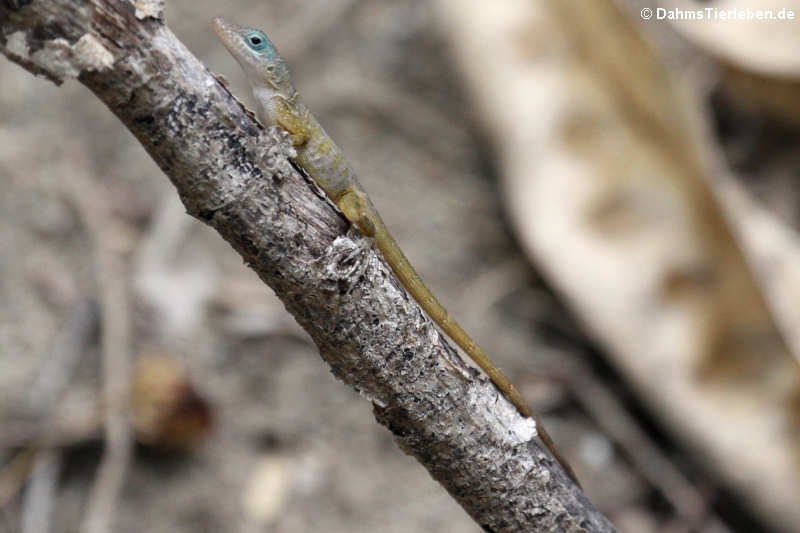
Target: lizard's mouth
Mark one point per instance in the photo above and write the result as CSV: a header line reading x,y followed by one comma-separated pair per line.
x,y
223,26
225,30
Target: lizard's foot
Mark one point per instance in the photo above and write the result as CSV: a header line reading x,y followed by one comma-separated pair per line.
x,y
298,139
355,209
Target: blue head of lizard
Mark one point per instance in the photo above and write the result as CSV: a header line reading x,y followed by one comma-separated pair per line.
x,y
256,54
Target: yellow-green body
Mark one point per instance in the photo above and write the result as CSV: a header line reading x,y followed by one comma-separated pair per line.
x,y
323,161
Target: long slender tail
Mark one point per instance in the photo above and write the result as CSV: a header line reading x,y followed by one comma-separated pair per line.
x,y
411,280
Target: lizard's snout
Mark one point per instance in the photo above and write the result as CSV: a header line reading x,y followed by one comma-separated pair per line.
x,y
222,26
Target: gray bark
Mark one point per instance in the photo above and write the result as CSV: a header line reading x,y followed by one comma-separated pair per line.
x,y
237,177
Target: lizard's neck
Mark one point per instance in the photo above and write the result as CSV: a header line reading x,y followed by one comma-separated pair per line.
x,y
272,102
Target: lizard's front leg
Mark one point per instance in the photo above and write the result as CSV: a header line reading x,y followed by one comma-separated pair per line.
x,y
287,118
297,132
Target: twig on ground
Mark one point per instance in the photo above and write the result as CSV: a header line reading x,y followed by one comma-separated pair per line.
x,y
111,276
49,385
38,501
688,502
14,475
68,346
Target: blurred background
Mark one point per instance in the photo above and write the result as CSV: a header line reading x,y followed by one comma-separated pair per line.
x,y
603,193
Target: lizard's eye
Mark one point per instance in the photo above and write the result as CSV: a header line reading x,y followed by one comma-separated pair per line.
x,y
257,41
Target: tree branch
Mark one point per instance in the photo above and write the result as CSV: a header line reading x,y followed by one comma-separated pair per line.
x,y
235,176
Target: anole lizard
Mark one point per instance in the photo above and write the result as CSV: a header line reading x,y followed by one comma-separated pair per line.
x,y
279,104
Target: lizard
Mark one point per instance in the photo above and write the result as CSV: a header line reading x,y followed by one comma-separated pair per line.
x,y
279,104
